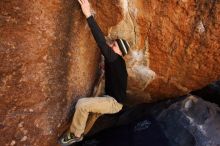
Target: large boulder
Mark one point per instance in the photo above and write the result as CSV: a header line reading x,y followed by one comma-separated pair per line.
x,y
186,121
191,122
48,58
44,67
174,46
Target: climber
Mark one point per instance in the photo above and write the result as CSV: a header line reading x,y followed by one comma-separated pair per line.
x,y
115,81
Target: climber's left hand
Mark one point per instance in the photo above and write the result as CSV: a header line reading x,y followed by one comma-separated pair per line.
x,y
85,7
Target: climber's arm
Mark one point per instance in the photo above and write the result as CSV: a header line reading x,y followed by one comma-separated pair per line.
x,y
108,53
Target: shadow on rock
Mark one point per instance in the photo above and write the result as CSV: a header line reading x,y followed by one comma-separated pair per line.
x,y
185,121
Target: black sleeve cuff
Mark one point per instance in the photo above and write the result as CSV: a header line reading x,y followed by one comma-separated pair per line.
x,y
89,19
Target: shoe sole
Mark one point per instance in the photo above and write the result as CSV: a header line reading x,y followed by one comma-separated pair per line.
x,y
70,143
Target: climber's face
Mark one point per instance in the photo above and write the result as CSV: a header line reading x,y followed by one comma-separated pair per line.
x,y
115,47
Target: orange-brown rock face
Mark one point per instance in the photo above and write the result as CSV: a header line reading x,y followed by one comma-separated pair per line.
x,y
48,58
175,46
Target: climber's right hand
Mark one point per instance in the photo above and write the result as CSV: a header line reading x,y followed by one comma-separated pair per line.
x,y
85,7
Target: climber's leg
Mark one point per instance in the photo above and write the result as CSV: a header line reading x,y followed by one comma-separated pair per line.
x,y
102,105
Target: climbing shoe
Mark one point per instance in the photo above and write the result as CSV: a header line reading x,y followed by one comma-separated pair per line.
x,y
69,139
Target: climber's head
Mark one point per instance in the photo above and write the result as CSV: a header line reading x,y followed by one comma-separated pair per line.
x,y
119,46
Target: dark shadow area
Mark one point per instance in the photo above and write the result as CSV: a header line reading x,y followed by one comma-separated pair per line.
x,y
209,93
138,133
133,126
173,122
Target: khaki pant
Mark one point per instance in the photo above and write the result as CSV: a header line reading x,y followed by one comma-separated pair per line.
x,y
98,105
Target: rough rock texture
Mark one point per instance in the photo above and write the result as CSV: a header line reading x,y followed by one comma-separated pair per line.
x,y
177,40
196,123
48,58
43,68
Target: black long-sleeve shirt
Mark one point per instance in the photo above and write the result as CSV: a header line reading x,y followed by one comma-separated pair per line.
x,y
115,67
